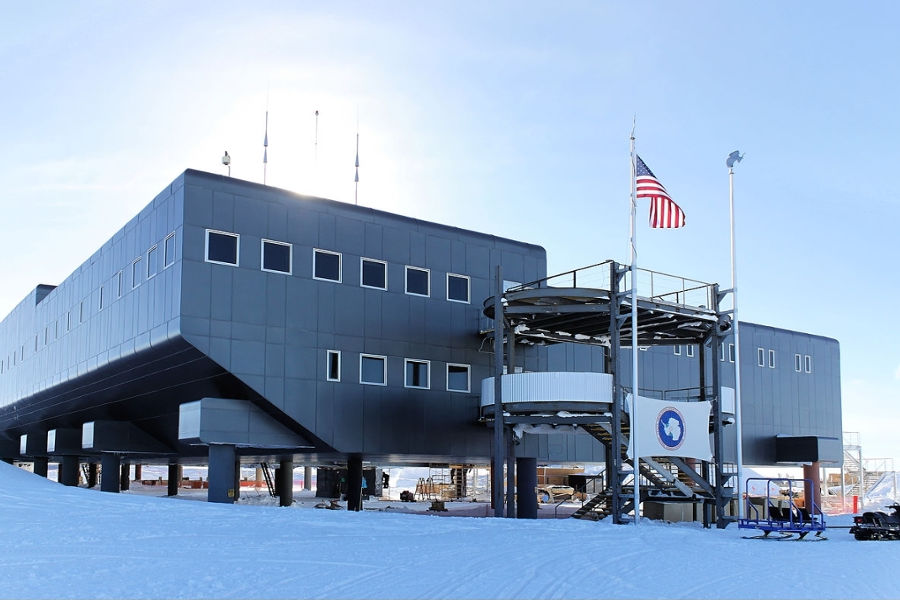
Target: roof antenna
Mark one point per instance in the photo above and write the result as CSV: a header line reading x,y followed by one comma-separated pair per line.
x,y
226,160
316,143
356,178
266,147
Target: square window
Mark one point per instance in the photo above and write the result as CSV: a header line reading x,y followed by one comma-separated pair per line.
x,y
730,352
458,378
808,361
373,273
276,256
677,349
797,364
771,359
152,261
136,273
761,357
457,288
418,281
169,250
690,350
417,374
333,365
327,265
372,369
222,247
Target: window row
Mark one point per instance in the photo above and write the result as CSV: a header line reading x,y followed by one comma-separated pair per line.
x,y
416,372
223,248
689,350
144,266
803,363
761,358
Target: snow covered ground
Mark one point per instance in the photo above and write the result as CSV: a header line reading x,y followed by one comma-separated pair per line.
x,y
59,542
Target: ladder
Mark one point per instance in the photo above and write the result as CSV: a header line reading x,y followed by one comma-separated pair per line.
x,y
267,475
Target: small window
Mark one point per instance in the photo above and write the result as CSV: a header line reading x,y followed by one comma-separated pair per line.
x,y
373,273
418,281
119,284
222,247
677,349
372,369
417,374
136,273
797,364
808,360
327,265
68,320
690,350
722,353
730,352
771,359
81,312
277,256
761,357
152,261
46,335
333,365
100,299
457,288
169,250
458,379
35,343
643,348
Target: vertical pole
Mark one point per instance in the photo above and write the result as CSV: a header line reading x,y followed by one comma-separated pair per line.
x,y
614,476
499,444
526,475
93,472
174,479
307,471
702,361
718,440
737,350
634,343
354,482
125,479
510,473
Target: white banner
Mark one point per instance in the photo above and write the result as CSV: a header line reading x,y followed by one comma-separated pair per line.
x,y
671,428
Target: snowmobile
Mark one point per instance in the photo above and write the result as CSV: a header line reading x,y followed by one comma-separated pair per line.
x,y
877,525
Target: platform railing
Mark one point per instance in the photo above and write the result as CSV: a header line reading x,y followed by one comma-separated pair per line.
x,y
655,285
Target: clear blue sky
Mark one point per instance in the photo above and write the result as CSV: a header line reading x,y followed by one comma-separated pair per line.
x,y
511,118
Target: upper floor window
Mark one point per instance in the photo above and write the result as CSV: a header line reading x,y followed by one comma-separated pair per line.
x,y
730,352
100,301
458,378
690,350
373,273
119,284
808,363
277,256
417,373
418,281
136,273
222,247
797,366
169,250
771,359
677,349
152,261
761,357
457,288
327,265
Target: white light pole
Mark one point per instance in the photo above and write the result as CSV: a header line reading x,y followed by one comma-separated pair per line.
x,y
733,158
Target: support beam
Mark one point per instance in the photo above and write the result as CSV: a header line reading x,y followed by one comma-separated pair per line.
x,y
526,474
237,479
510,474
307,478
125,478
68,470
614,459
221,473
40,465
93,475
137,472
174,479
354,482
286,482
110,464
812,487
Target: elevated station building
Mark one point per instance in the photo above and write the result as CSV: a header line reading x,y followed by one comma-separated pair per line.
x,y
231,321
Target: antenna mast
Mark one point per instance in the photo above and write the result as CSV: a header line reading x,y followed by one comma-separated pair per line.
x,y
266,147
356,178
316,143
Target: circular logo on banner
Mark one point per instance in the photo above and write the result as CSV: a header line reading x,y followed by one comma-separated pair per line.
x,y
670,428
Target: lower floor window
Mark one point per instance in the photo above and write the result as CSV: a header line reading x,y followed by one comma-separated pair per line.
x,y
458,378
372,369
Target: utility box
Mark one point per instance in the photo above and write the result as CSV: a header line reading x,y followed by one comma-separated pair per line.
x,y
669,511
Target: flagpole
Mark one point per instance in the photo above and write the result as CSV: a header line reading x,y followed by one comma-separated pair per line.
x,y
737,345
634,338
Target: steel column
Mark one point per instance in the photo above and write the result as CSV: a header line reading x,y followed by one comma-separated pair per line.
x,y
68,470
526,473
174,479
718,438
109,472
354,482
614,476
499,443
221,473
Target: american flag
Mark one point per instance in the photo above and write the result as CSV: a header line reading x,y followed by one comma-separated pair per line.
x,y
664,213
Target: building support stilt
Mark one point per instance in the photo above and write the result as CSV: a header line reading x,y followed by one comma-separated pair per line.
x,y
285,485
221,473
526,472
110,464
354,482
